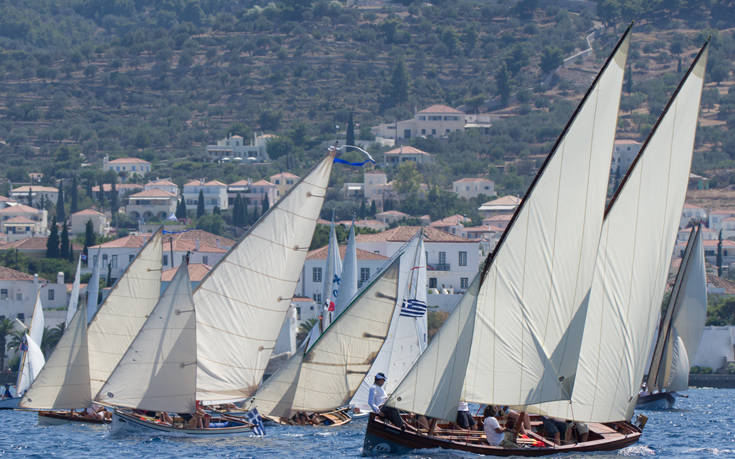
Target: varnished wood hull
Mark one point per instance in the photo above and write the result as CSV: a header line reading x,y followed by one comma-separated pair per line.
x,y
384,438
61,417
334,418
129,422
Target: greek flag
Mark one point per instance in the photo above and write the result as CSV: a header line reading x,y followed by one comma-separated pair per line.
x,y
413,308
253,417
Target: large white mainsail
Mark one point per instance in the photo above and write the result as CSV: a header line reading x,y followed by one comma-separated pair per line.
x,y
242,303
158,371
407,335
681,327
348,281
32,360
526,323
332,274
71,309
119,318
327,374
63,383
637,242
93,287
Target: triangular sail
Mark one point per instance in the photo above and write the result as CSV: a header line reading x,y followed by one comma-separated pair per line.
x,y
119,318
532,298
93,287
332,274
71,309
348,281
63,383
638,237
327,375
242,303
158,371
32,359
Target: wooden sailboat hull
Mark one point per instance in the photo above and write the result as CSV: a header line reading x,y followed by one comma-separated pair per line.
x,y
50,418
658,401
129,422
334,418
382,438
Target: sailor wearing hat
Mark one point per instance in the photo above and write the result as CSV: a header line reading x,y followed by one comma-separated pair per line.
x,y
377,398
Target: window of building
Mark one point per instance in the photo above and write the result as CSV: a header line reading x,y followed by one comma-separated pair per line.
x,y
165,260
104,259
316,275
205,259
298,313
432,282
318,297
433,132
113,261
19,296
51,294
442,258
3,294
464,282
462,258
364,275
131,258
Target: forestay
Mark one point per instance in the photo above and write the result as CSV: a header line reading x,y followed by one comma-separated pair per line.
x,y
330,372
637,241
242,302
532,298
119,318
158,371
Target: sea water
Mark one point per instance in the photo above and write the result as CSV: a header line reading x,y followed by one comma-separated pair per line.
x,y
702,425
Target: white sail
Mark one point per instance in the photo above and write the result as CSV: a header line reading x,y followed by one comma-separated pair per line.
x,y
407,335
532,299
691,317
158,371
71,309
330,372
348,281
678,379
630,277
242,303
120,317
32,359
63,382
332,275
93,287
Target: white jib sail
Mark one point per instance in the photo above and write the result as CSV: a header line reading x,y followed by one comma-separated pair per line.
x,y
242,303
637,241
158,371
63,383
407,335
332,275
327,375
532,300
93,287
348,282
71,309
119,318
32,359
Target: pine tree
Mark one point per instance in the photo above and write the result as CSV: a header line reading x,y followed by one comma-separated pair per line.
x,y
373,208
200,205
266,204
52,244
350,131
719,255
65,251
60,213
74,195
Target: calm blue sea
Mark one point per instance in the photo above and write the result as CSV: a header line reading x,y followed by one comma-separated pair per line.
x,y
703,425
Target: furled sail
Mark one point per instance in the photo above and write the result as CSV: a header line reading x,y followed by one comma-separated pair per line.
x,y
407,335
32,359
63,383
242,303
348,281
93,287
327,375
638,237
332,274
532,298
158,371
74,297
682,325
119,318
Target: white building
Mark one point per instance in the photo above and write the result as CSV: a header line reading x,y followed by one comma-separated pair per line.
x,y
37,192
152,203
624,152
716,348
126,166
692,213
471,187
454,224
165,185
391,216
405,154
715,218
21,222
6,202
214,191
284,181
234,148
503,205
433,121
78,221
18,296
122,189
260,190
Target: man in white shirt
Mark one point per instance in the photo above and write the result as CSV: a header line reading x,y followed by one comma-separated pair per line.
x,y
493,432
377,398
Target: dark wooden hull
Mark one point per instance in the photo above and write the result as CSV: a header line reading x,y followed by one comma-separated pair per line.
x,y
334,418
658,401
384,438
60,417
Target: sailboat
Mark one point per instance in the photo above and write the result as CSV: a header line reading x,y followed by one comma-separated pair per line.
x,y
316,383
679,331
407,336
87,354
32,359
628,281
332,275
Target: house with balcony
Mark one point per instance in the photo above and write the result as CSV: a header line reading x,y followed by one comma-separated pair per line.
x,y
405,154
434,121
37,193
152,203
78,222
454,224
126,166
234,148
472,187
5,202
20,222
214,192
262,190
716,218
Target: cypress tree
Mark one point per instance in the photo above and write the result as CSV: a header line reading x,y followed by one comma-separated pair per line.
x,y
101,195
90,238
181,209
114,207
719,255
266,204
74,195
399,84
52,244
215,210
363,210
60,213
109,275
30,196
65,251
200,204
237,211
350,131
628,81
373,208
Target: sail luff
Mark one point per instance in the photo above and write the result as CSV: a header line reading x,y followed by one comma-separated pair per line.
x,y
689,321
249,291
74,297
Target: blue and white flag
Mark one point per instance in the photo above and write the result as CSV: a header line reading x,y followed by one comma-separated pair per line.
x,y
253,417
413,308
356,164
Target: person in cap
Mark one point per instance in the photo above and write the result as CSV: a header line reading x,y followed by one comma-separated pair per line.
x,y
377,398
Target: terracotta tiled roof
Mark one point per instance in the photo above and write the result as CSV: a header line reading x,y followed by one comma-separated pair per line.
x,y
4,199
508,200
438,108
119,187
214,183
712,243
9,274
182,241
301,299
130,241
19,209
128,160
89,212
153,193
284,175
498,218
204,237
28,244
452,220
160,183
321,254
197,271
719,282
19,220
473,180
240,183
722,212
395,213
627,142
406,150
405,233
45,189
263,183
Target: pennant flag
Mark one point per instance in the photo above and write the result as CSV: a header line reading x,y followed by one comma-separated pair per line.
x,y
356,164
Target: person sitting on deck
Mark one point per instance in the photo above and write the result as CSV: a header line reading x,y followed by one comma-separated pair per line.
x,y
377,398
493,432
464,418
556,429
513,417
166,418
201,416
6,394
